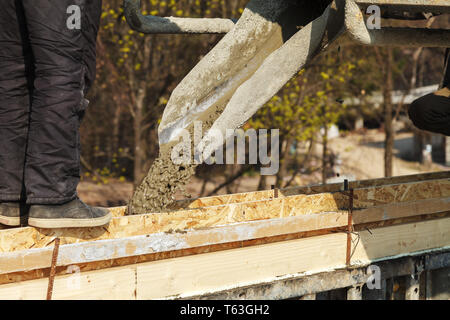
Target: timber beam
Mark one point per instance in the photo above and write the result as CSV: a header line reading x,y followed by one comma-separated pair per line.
x,y
199,274
245,233
310,285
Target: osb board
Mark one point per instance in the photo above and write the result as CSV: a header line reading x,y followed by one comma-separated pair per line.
x,y
28,260
209,272
308,190
364,196
121,227
244,231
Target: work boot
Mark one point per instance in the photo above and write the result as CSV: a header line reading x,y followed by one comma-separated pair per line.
x,y
73,214
10,214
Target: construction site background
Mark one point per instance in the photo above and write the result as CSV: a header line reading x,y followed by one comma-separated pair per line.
x,y
137,73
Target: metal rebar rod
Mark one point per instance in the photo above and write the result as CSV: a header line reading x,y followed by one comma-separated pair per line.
x,y
172,25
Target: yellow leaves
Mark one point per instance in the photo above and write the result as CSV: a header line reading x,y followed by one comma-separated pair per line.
x,y
163,101
324,76
137,67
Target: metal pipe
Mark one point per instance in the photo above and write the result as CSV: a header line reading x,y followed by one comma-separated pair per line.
x,y
410,37
435,6
172,25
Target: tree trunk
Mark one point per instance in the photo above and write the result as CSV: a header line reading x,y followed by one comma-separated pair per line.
x,y
388,129
284,162
262,185
139,149
325,155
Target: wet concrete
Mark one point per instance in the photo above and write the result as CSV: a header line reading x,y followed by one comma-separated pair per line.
x,y
157,191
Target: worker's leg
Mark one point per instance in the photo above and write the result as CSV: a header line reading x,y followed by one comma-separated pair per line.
x,y
63,47
431,113
15,82
62,35
14,99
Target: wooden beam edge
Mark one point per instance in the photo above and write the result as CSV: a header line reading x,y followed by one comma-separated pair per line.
x,y
246,266
110,249
305,190
127,226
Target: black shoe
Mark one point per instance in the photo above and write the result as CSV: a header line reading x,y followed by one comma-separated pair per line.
x,y
10,214
73,214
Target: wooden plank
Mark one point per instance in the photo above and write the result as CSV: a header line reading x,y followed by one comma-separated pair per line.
x,y
121,227
375,244
307,190
110,284
288,192
110,249
222,270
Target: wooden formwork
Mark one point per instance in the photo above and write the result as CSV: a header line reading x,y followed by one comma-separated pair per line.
x,y
217,244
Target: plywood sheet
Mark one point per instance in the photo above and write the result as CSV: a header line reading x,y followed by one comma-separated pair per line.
x,y
126,226
307,190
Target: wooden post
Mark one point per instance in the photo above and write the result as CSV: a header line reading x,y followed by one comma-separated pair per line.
x,y
429,285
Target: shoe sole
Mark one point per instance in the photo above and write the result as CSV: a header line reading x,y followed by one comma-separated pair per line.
x,y
10,221
69,223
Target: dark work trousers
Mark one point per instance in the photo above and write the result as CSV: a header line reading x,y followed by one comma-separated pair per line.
x,y
432,112
47,64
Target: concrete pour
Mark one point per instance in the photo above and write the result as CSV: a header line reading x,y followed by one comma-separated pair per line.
x,y
247,67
